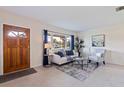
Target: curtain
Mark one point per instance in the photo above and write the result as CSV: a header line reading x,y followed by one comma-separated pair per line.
x,y
45,36
45,40
45,57
72,42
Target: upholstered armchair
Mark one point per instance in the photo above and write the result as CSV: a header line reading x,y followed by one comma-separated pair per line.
x,y
97,55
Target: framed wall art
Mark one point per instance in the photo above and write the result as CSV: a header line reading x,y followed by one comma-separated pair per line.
x,y
98,40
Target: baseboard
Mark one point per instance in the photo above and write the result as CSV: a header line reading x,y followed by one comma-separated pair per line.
x,y
117,65
36,66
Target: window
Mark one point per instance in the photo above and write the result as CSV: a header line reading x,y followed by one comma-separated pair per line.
x,y
49,38
17,34
59,41
68,42
22,34
13,34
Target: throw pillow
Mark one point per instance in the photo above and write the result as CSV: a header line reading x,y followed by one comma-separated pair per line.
x,y
60,54
69,52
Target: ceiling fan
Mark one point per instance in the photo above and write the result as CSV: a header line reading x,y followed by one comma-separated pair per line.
x,y
120,8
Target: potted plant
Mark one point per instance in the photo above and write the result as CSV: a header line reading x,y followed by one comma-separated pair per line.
x,y
79,45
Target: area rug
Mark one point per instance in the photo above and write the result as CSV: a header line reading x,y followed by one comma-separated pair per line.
x,y
15,75
76,70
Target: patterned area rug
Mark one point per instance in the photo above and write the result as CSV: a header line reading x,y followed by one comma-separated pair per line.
x,y
76,71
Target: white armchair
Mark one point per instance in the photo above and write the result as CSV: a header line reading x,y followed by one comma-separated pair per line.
x,y
97,55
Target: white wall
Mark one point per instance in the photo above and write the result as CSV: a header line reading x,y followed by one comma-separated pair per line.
x,y
1,48
114,42
36,35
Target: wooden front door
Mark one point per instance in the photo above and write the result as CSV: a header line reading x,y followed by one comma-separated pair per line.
x,y
16,48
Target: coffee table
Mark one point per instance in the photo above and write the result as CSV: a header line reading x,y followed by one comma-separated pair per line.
x,y
80,61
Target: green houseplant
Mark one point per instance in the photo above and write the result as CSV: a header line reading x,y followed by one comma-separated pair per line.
x,y
79,44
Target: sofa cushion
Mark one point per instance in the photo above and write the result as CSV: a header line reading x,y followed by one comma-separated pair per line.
x,y
60,54
69,52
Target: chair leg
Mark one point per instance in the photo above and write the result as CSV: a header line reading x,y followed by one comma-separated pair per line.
x,y
104,62
97,64
89,61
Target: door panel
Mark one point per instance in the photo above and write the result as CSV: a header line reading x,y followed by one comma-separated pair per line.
x,y
16,48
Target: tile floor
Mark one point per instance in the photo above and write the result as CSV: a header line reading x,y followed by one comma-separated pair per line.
x,y
104,76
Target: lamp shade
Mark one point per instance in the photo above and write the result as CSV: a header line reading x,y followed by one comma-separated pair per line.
x,y
48,45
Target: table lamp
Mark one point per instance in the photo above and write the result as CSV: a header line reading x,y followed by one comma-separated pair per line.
x,y
48,46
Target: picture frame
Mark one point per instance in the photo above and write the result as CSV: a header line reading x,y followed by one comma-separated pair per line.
x,y
98,40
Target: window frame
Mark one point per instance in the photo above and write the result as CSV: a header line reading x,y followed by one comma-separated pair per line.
x,y
61,35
